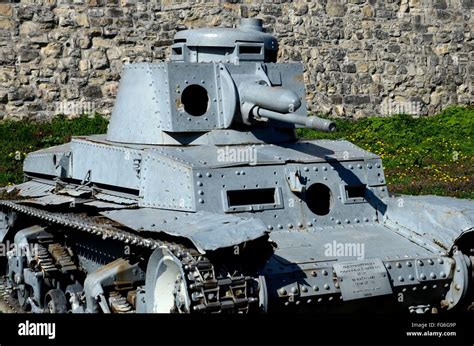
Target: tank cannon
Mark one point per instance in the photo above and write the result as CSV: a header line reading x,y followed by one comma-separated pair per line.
x,y
261,102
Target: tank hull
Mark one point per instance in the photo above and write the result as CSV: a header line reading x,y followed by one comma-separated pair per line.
x,y
244,236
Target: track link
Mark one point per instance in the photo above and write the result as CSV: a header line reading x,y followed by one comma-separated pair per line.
x,y
7,303
210,290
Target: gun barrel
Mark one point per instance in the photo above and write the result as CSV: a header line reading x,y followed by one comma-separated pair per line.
x,y
312,122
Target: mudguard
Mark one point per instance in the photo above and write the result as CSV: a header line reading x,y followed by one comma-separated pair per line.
x,y
207,231
434,222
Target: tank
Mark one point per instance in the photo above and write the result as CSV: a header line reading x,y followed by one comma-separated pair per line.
x,y
200,198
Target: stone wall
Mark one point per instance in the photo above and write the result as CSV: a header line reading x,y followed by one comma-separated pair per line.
x,y
362,57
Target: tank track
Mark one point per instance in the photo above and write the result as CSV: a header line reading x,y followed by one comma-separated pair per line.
x,y
7,303
210,290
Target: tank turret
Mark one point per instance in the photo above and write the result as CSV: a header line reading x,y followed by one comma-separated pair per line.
x,y
217,79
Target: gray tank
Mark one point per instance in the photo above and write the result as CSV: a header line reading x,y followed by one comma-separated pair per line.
x,y
201,198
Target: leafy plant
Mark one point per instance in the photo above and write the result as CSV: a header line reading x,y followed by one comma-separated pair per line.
x,y
17,138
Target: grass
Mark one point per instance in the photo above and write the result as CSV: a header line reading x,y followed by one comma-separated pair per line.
x,y
17,138
429,155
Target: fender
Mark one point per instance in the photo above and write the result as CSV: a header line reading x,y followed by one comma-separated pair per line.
x,y
207,231
433,222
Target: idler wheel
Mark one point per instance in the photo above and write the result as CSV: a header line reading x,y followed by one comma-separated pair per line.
x,y
166,289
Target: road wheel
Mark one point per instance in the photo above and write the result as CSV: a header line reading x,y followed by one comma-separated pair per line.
x,y
55,302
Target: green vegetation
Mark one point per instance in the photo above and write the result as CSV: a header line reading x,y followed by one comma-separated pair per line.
x,y
19,138
429,155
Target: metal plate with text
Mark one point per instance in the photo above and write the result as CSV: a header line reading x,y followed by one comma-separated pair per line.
x,y
362,279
